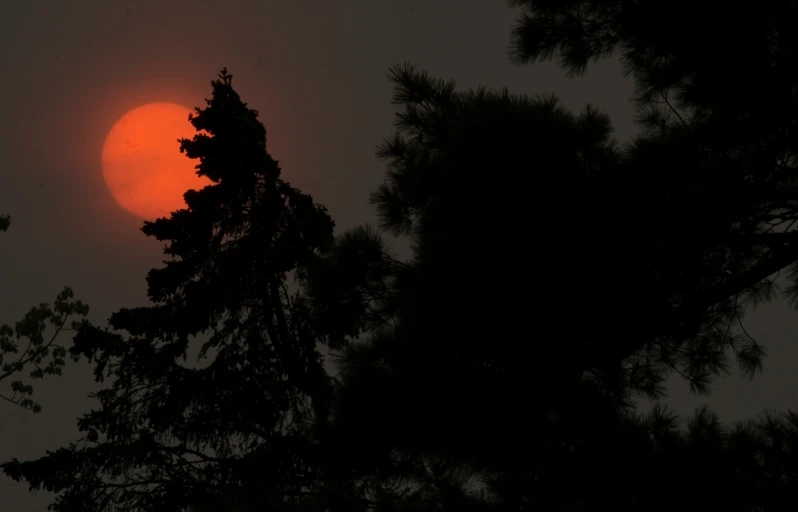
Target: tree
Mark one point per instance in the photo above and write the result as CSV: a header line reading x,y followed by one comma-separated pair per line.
x,y
40,327
705,190
459,376
730,93
250,428
465,362
484,183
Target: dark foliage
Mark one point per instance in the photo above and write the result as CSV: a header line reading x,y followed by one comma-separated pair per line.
x,y
656,249
554,275
519,223
31,343
168,436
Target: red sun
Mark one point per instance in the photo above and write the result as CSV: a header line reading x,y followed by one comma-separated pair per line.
x,y
142,163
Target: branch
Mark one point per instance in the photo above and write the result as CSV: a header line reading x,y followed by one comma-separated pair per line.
x,y
33,356
291,310
9,399
779,258
665,97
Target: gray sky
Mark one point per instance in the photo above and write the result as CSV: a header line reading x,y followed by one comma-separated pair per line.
x,y
316,72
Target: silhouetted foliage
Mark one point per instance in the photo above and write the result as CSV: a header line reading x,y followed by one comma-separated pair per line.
x,y
726,94
459,362
169,437
719,85
37,332
522,216
674,235
554,276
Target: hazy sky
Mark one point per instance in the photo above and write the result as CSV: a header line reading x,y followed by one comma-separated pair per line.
x,y
315,71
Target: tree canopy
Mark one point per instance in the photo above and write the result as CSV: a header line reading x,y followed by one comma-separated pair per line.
x,y
523,215
555,274
170,436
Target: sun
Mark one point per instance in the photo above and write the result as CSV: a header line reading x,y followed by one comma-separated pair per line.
x,y
142,163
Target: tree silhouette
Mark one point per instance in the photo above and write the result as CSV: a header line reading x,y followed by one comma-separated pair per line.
x,y
724,93
471,359
251,426
554,275
487,184
37,331
692,220
731,93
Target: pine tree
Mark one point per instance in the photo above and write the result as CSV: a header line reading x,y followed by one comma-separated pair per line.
x,y
524,217
250,426
725,88
490,187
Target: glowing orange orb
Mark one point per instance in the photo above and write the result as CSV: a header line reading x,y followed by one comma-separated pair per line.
x,y
142,163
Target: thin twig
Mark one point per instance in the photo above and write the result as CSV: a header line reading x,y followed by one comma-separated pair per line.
x,y
665,97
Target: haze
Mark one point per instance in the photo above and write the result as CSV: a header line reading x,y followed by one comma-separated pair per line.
x,y
316,73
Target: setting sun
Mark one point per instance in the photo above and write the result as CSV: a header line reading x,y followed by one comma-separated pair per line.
x,y
142,163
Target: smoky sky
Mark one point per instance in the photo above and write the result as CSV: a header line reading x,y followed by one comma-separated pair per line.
x,y
316,72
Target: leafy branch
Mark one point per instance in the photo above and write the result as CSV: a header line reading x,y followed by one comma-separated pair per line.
x,y
34,327
42,352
